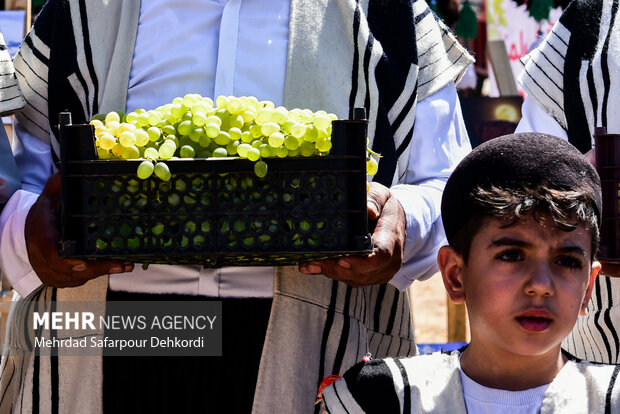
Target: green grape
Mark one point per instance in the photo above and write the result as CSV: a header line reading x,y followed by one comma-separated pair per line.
x,y
131,152
193,126
322,133
117,150
224,117
235,133
263,116
306,149
321,121
127,138
166,150
132,117
287,125
281,152
279,115
269,128
103,154
199,118
204,141
235,121
180,185
311,133
202,105
168,130
293,153
151,153
189,100
143,119
145,169
231,147
253,154
256,131
142,137
185,127
195,134
187,151
298,130
214,119
291,143
176,110
372,167
248,115
266,104
107,141
222,138
220,152
260,169
174,199
276,139
212,130
265,150
154,133
112,116
153,117
243,149
162,171
323,145
246,137
221,101
235,106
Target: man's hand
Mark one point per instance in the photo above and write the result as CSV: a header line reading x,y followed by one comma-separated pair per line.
x,y
42,238
386,213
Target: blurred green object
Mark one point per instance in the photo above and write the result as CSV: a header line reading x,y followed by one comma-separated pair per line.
x,y
467,25
539,9
35,4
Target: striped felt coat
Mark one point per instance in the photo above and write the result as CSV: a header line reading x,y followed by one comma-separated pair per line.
x,y
384,56
574,76
10,100
431,384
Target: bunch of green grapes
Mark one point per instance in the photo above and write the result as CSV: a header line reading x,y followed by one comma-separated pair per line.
x,y
194,126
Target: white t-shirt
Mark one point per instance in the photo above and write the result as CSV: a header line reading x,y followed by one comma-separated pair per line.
x,y
484,400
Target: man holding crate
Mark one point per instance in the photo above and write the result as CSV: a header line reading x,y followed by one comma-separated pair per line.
x,y
92,56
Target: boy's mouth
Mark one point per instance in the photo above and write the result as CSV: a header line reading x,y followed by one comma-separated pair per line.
x,y
535,320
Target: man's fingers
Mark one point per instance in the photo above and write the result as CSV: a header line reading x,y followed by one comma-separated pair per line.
x,y
376,197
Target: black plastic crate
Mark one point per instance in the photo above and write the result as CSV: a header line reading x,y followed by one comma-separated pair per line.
x,y
216,212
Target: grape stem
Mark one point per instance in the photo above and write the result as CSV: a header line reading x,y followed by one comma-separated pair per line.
x,y
374,153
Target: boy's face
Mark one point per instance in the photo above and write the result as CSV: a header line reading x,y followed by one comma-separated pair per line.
x,y
524,285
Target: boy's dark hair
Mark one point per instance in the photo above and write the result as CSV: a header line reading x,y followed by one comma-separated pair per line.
x,y
515,175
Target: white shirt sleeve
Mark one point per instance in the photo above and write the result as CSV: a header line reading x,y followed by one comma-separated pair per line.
x,y
34,161
439,143
535,119
9,176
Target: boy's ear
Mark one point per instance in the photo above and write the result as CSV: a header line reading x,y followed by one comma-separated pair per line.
x,y
451,265
596,267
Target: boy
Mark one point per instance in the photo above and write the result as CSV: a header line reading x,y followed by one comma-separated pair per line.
x,y
521,215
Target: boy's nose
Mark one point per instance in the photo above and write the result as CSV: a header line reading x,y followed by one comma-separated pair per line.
x,y
540,281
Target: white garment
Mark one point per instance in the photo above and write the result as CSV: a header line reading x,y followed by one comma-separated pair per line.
x,y
222,47
484,400
534,119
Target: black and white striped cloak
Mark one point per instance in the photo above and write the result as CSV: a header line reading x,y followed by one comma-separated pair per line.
x,y
574,76
384,56
431,384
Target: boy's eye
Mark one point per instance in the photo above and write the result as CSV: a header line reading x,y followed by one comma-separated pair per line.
x,y
510,255
569,261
